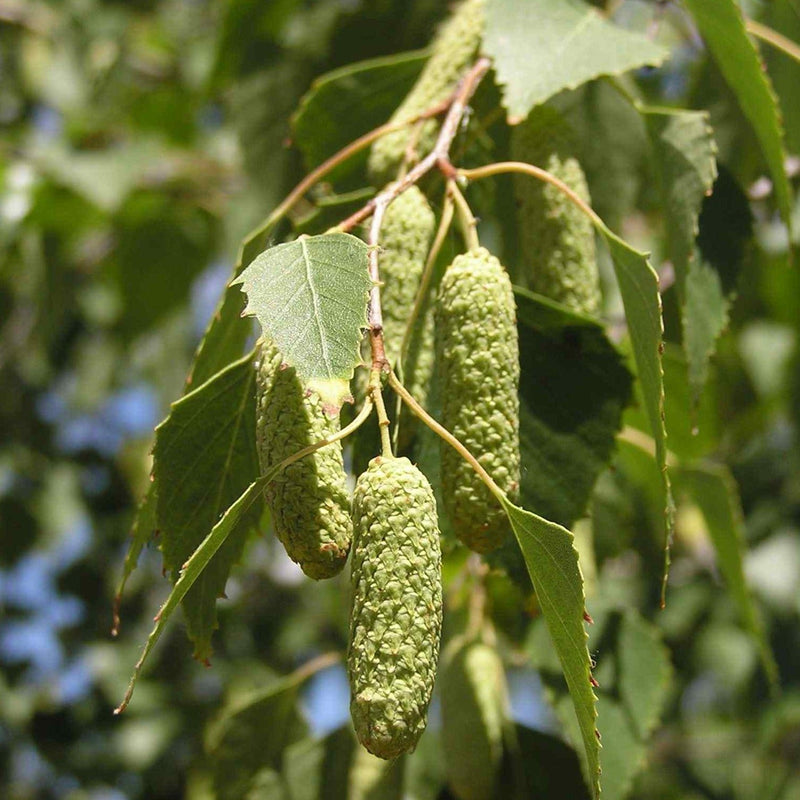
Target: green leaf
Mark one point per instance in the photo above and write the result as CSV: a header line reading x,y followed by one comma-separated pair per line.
x,y
204,457
103,177
343,104
612,147
638,284
193,569
644,672
541,47
552,562
722,26
634,672
475,711
338,767
142,530
714,490
623,753
227,332
251,735
310,297
685,155
574,387
543,767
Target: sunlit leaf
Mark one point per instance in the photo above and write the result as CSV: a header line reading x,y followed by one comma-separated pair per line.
x,y
569,44
310,297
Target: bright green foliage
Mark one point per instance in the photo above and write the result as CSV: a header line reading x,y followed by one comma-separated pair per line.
x,y
475,708
308,500
396,618
478,356
556,237
454,48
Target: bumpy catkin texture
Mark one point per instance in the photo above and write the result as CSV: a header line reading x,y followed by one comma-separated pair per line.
x,y
478,363
396,619
309,500
453,51
475,708
556,237
406,234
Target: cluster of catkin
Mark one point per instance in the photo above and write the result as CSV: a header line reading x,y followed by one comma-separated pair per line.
x,y
467,336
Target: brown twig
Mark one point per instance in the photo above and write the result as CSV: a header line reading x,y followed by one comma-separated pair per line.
x,y
376,208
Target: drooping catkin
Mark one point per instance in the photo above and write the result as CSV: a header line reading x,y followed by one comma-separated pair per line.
x,y
556,238
475,709
395,624
309,499
453,51
477,353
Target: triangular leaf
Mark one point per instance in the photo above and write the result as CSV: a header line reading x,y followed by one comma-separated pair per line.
x,y
569,44
685,156
310,297
204,457
722,25
552,562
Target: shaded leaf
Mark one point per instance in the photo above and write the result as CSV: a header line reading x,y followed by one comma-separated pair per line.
x,y
644,672
342,105
339,767
552,562
571,43
574,386
251,736
714,490
685,155
310,297
204,458
544,767
722,25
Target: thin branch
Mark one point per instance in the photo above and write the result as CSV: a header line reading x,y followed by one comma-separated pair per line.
x,y
502,167
469,225
383,418
341,156
376,208
777,40
443,433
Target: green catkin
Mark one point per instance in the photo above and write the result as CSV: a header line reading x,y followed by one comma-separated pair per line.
x,y
308,500
453,51
556,237
396,620
405,239
475,709
478,364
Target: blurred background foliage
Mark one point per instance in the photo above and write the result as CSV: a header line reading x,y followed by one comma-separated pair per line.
x,y
141,139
